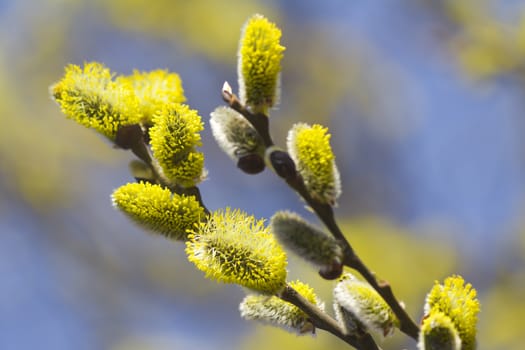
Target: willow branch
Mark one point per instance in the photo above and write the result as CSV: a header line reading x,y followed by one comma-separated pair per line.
x,y
322,321
352,260
258,120
325,213
406,324
132,137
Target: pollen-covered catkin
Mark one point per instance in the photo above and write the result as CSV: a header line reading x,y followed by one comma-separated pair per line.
x,y
234,247
259,65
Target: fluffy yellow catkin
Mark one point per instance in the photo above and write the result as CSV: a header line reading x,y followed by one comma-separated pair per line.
x,y
458,302
234,247
92,98
174,135
259,65
154,89
309,147
158,210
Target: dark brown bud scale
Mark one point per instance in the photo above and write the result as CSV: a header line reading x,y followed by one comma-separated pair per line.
x,y
331,272
251,164
283,164
128,136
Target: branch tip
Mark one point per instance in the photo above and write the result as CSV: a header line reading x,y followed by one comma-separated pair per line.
x,y
227,89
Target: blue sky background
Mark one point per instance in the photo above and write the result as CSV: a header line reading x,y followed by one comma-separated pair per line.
x,y
423,145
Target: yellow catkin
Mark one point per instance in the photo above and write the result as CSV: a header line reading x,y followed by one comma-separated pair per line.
x,y
154,89
259,65
233,247
309,146
91,97
438,332
158,210
174,135
456,300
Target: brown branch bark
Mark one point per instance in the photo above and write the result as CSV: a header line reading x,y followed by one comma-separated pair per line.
x,y
322,321
325,213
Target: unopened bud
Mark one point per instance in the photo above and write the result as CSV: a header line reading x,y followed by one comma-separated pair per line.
x,y
309,242
362,301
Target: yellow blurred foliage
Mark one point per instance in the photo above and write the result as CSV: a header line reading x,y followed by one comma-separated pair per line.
x,y
36,163
501,322
206,26
39,151
503,305
485,45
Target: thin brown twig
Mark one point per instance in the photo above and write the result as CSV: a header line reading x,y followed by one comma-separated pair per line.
x,y
133,138
325,213
322,321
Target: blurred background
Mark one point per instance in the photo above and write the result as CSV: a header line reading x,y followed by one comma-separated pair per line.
x,y
425,102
